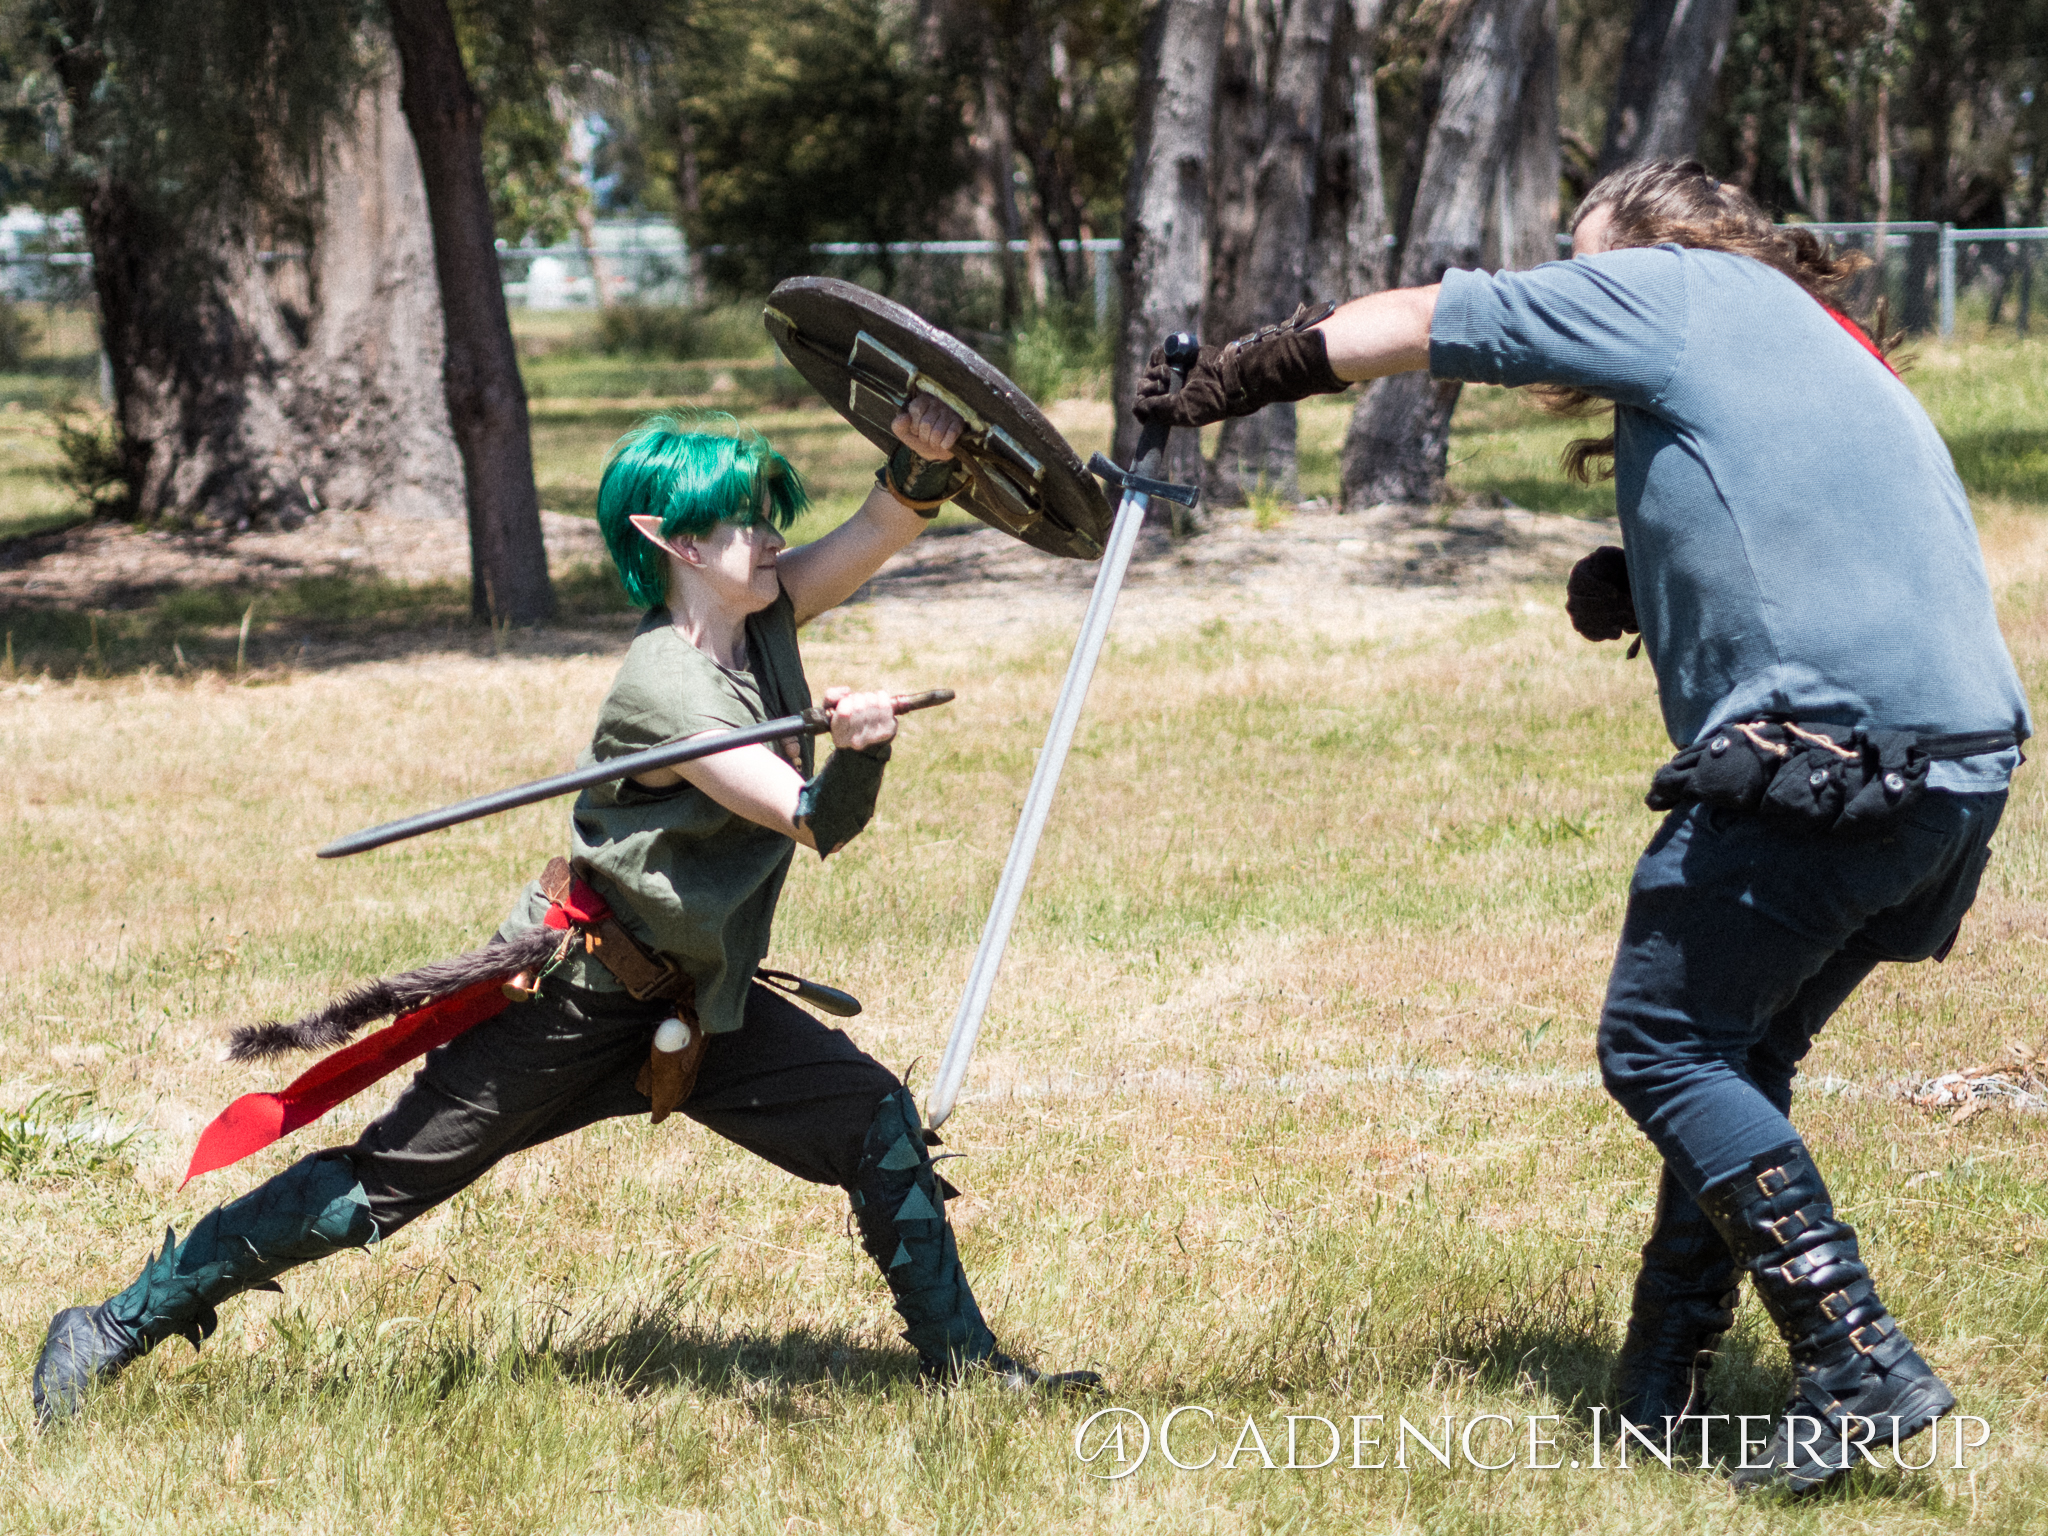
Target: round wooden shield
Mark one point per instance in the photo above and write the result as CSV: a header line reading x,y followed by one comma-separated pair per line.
x,y
868,355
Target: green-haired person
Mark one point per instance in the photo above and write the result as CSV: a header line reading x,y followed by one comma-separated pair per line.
x,y
689,861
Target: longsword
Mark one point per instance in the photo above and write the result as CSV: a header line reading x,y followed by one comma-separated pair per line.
x,y
813,721
1140,485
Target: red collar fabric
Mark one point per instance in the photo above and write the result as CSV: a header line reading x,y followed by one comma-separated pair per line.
x,y
1862,337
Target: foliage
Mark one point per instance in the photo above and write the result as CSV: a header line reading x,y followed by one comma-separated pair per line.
x,y
1810,84
1066,72
203,106
814,120
1058,353
509,48
680,332
92,466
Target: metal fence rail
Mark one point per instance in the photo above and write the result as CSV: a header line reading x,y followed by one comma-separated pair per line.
x,y
1920,265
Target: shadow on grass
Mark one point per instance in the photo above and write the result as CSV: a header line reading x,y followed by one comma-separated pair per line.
x,y
649,1355
2011,463
308,622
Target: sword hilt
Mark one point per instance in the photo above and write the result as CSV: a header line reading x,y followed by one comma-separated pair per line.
x,y
818,719
1182,351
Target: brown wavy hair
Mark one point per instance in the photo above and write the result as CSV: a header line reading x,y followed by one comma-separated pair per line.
x,y
1677,202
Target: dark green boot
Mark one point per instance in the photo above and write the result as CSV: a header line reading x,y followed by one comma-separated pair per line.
x,y
899,1206
314,1208
1858,1383
1684,1301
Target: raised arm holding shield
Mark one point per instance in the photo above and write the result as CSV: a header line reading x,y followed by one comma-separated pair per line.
x,y
626,979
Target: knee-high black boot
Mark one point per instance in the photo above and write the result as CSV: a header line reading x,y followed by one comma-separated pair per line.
x,y
1857,1380
899,1206
1685,1297
314,1208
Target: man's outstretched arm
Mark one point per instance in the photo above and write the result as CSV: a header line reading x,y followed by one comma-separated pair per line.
x,y
1380,334
1309,354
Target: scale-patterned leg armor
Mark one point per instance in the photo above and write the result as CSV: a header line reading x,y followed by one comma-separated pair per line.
x,y
1857,1380
314,1208
899,1206
1684,1301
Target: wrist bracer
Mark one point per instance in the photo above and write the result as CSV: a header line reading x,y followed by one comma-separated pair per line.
x,y
837,802
921,484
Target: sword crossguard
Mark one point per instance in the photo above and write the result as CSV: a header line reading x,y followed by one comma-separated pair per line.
x,y
1144,485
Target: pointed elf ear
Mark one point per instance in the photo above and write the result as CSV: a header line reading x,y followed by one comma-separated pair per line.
x,y
650,530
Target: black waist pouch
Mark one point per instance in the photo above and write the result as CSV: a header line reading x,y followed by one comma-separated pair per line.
x,y
1821,778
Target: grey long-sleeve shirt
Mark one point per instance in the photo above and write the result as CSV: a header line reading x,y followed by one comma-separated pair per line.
x,y
1797,539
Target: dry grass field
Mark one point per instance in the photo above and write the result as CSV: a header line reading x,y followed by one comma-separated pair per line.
x,y
1286,1104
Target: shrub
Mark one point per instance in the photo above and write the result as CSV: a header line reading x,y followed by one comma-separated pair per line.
x,y
93,466
1058,353
680,332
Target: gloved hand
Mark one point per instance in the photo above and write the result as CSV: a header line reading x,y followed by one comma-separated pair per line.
x,y
1597,597
1280,362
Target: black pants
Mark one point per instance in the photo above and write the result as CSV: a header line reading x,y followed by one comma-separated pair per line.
x,y
1741,941
785,1086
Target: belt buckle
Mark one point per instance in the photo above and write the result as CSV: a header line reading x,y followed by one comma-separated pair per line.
x,y
663,986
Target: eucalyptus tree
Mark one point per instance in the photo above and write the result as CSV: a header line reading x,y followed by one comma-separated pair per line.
x,y
1166,206
1397,446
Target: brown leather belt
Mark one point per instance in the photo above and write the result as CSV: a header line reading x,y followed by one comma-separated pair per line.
x,y
643,974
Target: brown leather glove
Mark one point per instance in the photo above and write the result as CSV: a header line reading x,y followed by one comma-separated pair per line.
x,y
1597,597
1280,362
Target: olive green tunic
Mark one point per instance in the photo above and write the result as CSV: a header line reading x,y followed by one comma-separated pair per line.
x,y
687,877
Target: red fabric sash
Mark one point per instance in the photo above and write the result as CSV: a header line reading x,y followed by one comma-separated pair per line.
x,y
1862,337
255,1120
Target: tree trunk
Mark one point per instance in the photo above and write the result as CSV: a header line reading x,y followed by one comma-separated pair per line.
x,y
255,393
1165,207
371,395
1668,70
1039,128
1272,276
1526,189
1398,444
480,371
1001,170
1348,225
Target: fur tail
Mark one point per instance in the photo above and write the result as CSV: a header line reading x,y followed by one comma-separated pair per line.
x,y
338,1022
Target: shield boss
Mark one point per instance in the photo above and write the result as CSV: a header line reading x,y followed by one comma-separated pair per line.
x,y
868,355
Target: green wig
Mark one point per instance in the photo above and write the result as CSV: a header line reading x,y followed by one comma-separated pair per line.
x,y
692,474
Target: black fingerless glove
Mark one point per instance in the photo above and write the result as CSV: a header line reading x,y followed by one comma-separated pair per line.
x,y
1287,361
836,802
921,484
1597,597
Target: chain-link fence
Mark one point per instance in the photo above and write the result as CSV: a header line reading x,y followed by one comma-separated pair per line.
x,y
1919,268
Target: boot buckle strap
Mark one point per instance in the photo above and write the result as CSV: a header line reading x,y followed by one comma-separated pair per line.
x,y
1837,1305
1872,1335
1773,1182
1785,1228
1808,1218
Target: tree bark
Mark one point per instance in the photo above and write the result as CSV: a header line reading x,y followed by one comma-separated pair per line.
x,y
371,393
1398,444
258,393
1526,207
1668,70
480,369
1270,274
1348,225
1165,207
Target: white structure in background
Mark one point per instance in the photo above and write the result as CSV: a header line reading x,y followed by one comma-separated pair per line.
x,y
646,261
40,259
